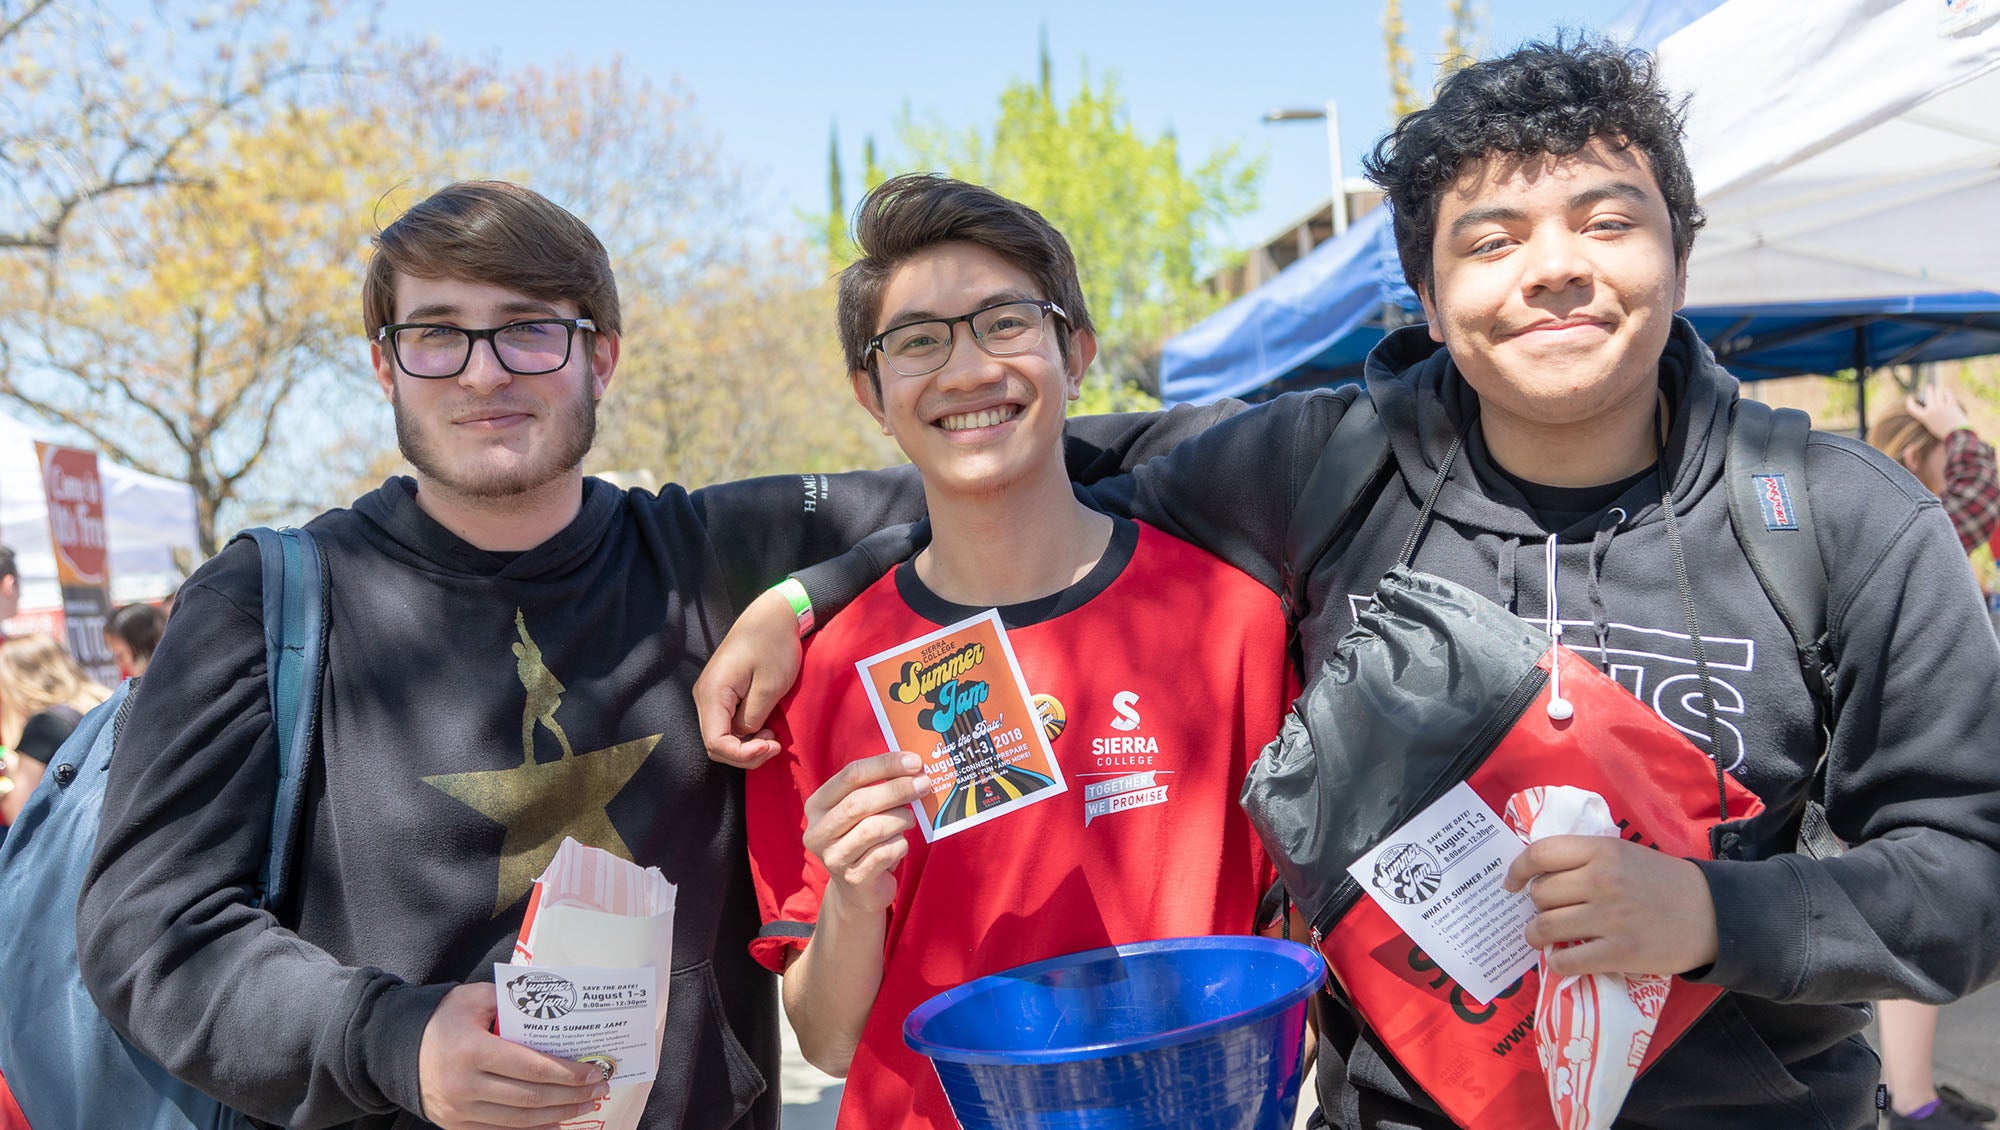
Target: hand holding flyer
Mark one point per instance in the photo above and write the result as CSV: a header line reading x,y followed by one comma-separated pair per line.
x,y
1591,1031
592,967
956,698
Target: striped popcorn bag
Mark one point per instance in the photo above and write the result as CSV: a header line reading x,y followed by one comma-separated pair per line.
x,y
1591,1032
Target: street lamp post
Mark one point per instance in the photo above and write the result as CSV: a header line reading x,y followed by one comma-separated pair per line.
x,y
1331,115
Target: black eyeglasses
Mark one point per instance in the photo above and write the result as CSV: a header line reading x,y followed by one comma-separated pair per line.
x,y
525,349
1003,329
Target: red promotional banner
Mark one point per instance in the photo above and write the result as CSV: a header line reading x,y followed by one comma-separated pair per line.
x,y
76,515
83,559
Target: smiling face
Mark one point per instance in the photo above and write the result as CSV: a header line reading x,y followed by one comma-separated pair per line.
x,y
487,434
981,425
1554,287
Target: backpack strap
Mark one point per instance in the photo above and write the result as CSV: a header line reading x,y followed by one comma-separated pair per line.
x,y
1765,469
295,662
1352,467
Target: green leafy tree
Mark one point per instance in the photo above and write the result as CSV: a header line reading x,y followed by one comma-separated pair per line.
x,y
198,318
834,226
190,331
1144,226
872,172
1461,34
182,192
1396,54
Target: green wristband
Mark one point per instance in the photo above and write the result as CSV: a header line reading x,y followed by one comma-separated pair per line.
x,y
802,605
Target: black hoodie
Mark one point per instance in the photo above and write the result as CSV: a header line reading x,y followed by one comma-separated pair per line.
x,y
1913,782
1912,910
476,708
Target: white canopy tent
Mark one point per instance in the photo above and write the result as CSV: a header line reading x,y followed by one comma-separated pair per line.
x,y
1842,148
147,520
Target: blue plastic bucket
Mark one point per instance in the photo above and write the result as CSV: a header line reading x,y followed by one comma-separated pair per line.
x,y
1185,1032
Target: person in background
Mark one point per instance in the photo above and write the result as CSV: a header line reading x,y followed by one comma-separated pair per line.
x,y
43,694
10,603
10,588
132,633
1930,437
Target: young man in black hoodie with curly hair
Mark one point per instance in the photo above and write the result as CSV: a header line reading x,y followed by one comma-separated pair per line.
x,y
1544,215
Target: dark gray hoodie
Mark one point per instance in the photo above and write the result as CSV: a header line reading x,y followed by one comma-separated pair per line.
x,y
1912,910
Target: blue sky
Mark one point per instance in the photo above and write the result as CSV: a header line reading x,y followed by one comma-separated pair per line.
x,y
771,78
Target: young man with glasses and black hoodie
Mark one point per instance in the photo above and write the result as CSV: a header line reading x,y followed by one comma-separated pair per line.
x,y
1544,215
510,653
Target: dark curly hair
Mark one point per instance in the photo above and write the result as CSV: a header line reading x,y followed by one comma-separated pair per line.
x,y
1549,98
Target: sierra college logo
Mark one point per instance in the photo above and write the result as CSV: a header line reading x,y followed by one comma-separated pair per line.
x,y
1127,759
1126,703
543,996
1407,873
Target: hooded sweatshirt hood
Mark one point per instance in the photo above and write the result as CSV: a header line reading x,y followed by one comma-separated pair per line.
x,y
1425,402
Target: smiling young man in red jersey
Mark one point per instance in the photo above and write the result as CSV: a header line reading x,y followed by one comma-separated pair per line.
x,y
966,335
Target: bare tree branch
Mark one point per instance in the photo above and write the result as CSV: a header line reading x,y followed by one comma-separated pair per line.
x,y
49,238
10,28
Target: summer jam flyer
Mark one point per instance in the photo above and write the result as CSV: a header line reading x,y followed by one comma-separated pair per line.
x,y
956,698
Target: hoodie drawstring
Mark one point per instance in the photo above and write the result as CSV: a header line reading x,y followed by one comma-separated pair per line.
x,y
1686,590
1559,707
1600,618
1508,546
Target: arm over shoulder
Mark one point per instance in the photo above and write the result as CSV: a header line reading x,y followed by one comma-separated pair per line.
x,y
1231,487
1095,448
765,528
1162,467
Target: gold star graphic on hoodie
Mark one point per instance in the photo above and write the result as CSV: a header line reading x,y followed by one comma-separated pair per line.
x,y
540,802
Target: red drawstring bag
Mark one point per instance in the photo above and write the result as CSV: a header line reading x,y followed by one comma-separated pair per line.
x,y
1436,685
11,1117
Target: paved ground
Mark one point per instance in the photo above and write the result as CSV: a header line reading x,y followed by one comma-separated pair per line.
x,y
811,1096
1968,1058
1968,1052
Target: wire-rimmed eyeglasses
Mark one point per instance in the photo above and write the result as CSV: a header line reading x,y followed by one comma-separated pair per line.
x,y
1002,329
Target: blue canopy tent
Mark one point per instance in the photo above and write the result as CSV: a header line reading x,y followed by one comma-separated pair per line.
x,y
1783,339
1311,325
1786,339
